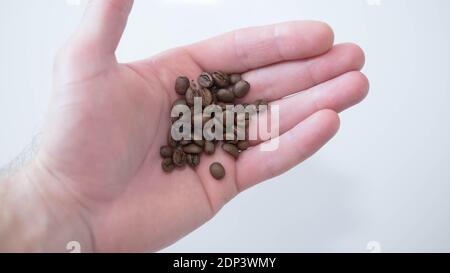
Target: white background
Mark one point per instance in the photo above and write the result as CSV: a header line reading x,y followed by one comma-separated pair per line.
x,y
385,177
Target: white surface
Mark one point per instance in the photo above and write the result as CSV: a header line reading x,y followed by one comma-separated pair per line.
x,y
385,177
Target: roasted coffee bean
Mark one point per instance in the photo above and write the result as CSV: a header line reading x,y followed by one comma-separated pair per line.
x,y
170,141
191,93
225,95
185,142
193,160
205,80
200,143
241,89
181,85
166,151
243,145
179,158
167,165
209,148
231,149
206,96
235,78
221,79
217,170
192,149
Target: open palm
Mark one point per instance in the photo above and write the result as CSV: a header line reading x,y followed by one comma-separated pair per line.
x,y
108,120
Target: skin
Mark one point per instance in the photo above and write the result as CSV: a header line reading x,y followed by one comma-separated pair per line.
x,y
97,177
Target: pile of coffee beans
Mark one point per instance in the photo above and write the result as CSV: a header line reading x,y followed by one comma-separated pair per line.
x,y
216,89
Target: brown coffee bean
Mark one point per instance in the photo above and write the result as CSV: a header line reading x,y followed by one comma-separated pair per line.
x,y
243,145
170,141
200,143
209,147
185,142
167,165
193,160
241,89
181,85
217,170
221,79
179,158
231,149
225,95
235,78
205,80
190,95
192,149
166,151
206,96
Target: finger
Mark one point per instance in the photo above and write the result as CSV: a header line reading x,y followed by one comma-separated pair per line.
x,y
337,94
103,24
250,48
295,146
283,79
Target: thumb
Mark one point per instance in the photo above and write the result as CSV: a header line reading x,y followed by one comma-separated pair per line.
x,y
104,22
94,43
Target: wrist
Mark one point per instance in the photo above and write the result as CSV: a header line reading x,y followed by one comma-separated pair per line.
x,y
39,215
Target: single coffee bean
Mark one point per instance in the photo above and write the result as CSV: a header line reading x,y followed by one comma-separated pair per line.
x,y
170,141
181,85
200,143
190,95
167,165
235,78
205,80
185,142
193,160
206,96
243,145
192,149
241,89
225,95
221,79
209,148
217,170
231,149
166,151
179,158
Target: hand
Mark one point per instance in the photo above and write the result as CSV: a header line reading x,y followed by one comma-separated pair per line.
x,y
107,121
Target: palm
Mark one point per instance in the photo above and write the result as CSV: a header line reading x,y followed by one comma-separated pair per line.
x,y
108,123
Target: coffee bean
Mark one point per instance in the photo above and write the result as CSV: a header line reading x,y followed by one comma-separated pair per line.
x,y
193,160
192,149
241,89
243,145
185,142
166,151
217,170
200,143
221,79
170,141
190,95
235,78
179,158
231,149
206,96
205,80
209,148
167,165
225,95
181,85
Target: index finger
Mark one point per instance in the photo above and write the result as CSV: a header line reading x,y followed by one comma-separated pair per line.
x,y
250,48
